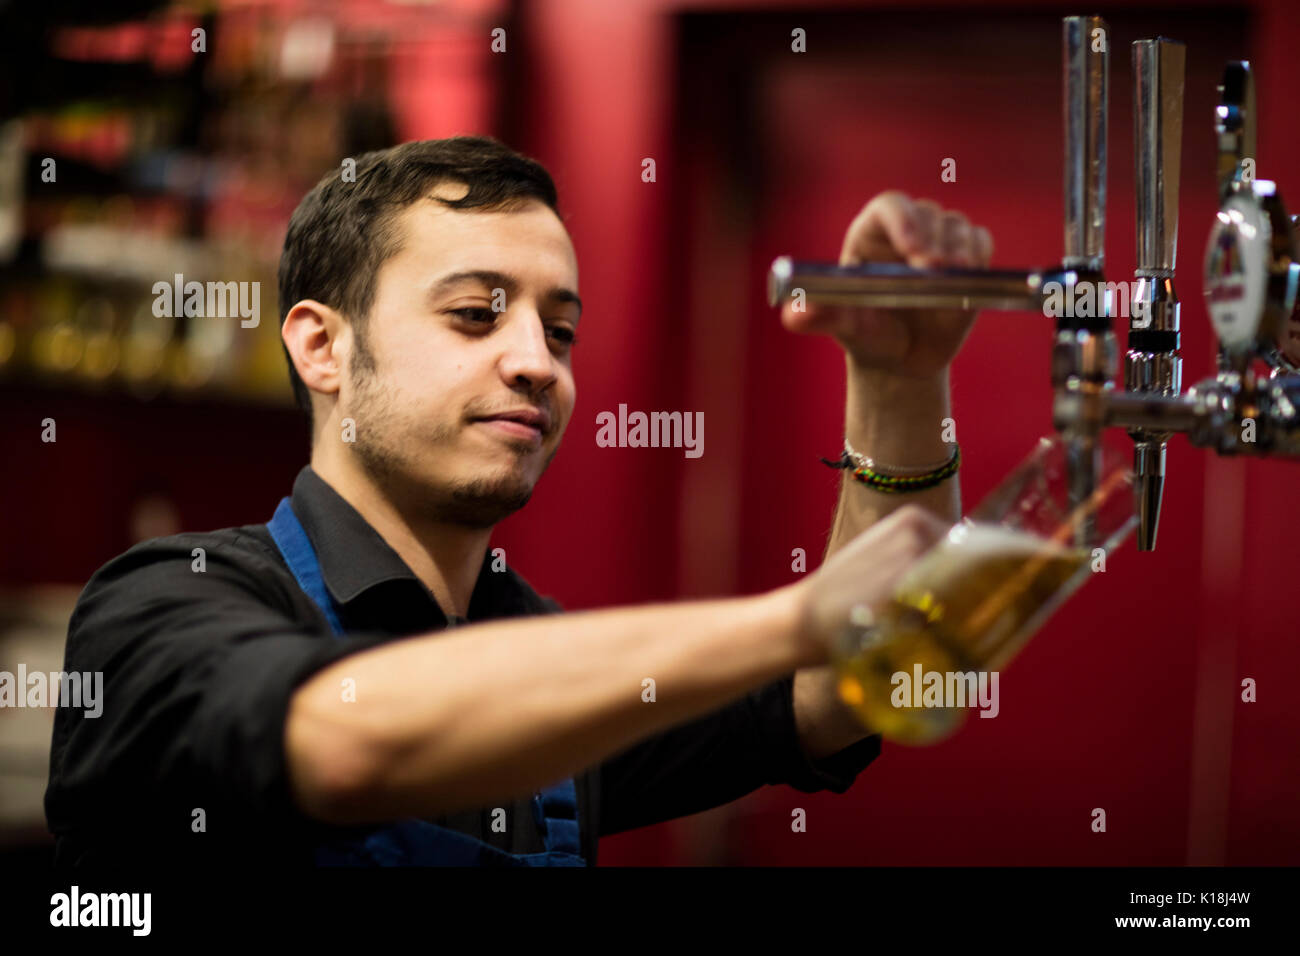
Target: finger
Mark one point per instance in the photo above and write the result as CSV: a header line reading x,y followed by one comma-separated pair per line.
x,y
921,522
958,242
895,540
811,318
983,246
889,222
930,215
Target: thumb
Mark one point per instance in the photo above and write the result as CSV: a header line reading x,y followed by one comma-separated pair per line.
x,y
813,319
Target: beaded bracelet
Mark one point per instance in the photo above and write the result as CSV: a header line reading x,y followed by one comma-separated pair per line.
x,y
895,479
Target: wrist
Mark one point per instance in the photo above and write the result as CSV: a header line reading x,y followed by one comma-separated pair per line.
x,y
790,607
869,380
896,419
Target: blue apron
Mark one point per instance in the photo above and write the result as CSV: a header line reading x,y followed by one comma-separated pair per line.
x,y
417,842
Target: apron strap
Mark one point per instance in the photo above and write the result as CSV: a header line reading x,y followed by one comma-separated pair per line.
x,y
298,553
555,808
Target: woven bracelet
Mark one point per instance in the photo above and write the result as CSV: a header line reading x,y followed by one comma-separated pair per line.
x,y
898,484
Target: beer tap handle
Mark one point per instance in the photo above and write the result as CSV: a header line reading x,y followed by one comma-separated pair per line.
x,y
1152,365
1158,67
1086,77
1083,350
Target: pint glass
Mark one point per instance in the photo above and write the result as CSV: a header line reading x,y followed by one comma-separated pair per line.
x,y
911,669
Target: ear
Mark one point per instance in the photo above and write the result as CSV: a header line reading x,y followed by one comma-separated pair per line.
x,y
317,338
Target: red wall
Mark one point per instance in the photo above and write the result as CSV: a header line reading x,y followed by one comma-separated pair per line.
x,y
1129,699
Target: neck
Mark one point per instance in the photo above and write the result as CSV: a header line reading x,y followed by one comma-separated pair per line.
x,y
445,557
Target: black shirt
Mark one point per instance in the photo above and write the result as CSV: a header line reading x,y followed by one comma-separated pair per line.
x,y
199,668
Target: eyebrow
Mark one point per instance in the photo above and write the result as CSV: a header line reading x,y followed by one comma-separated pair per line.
x,y
500,280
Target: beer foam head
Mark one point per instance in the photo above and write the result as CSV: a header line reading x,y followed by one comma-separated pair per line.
x,y
998,540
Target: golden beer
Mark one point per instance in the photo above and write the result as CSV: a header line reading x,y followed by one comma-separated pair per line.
x,y
967,605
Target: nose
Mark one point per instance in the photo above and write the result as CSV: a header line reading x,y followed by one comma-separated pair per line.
x,y
526,361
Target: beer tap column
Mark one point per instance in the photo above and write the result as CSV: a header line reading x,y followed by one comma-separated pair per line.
x,y
1086,66
1152,364
1084,350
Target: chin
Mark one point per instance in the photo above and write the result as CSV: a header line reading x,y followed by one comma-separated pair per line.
x,y
483,502
508,479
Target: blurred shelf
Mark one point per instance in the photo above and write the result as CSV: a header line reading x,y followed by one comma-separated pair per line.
x,y
96,12
15,388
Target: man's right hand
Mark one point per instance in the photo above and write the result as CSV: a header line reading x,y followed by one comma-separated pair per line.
x,y
863,572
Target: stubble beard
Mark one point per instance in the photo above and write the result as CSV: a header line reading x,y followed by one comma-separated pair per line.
x,y
478,502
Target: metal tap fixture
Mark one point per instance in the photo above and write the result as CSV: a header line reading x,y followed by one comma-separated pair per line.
x,y
1083,351
1250,259
1152,365
1252,277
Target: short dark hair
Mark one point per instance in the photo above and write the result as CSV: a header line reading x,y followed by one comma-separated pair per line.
x,y
343,230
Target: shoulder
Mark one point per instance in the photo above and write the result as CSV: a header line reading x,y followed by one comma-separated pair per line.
x,y
187,567
249,547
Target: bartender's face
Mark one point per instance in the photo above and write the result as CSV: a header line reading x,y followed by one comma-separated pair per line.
x,y
435,360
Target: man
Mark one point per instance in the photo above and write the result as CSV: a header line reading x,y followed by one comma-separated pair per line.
x,y
288,692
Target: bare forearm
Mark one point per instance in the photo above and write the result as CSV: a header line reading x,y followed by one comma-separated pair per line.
x,y
496,710
897,422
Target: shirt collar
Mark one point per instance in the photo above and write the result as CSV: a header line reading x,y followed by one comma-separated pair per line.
x,y
354,557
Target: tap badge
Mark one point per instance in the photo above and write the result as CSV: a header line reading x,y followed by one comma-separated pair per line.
x,y
1236,267
1227,264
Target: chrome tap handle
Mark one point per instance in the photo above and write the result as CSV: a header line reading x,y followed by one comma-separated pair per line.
x,y
1152,364
886,285
1086,68
1083,351
1158,67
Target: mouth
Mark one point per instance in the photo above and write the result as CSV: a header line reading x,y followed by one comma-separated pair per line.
x,y
529,424
505,426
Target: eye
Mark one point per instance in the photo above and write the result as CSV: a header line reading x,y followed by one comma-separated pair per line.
x,y
564,335
484,317
475,315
